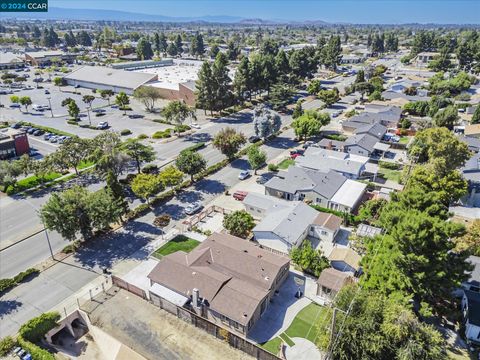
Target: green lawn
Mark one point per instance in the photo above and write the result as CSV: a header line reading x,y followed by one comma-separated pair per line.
x,y
404,140
30,182
85,164
178,243
393,175
284,164
304,324
273,345
287,340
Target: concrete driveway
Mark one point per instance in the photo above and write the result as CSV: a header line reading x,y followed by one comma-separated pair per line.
x,y
281,311
302,350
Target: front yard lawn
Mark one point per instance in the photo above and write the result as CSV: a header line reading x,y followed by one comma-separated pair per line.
x,y
178,243
389,174
284,164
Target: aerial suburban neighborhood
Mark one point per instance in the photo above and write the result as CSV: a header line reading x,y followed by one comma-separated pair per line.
x,y
240,180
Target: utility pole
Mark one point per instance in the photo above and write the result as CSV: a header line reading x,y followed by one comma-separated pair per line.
x,y
50,105
332,334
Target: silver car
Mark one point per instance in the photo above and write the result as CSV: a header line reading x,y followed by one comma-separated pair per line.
x,y
193,208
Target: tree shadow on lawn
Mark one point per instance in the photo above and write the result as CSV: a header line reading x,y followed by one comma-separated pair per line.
x,y
8,307
210,186
107,250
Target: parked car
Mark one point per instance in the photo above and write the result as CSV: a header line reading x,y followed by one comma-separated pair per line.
x,y
244,174
37,107
14,105
77,86
38,132
47,92
47,136
195,126
99,111
16,126
136,116
297,151
102,125
31,130
114,106
240,195
262,179
307,144
193,208
253,139
53,139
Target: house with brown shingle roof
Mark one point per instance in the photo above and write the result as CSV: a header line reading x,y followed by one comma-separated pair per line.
x,y
345,259
331,281
226,279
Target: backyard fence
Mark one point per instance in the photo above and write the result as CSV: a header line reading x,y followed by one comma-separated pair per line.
x,y
129,287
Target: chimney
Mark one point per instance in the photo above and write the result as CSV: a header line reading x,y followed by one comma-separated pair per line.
x,y
196,298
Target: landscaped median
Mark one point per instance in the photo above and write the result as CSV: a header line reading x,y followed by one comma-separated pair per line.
x,y
9,283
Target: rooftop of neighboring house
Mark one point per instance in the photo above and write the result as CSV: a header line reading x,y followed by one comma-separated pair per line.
x,y
365,141
347,255
368,230
328,221
471,170
475,275
233,275
325,160
473,129
333,279
349,193
297,179
473,298
376,129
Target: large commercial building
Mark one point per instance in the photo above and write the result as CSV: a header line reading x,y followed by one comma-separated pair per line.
x,y
105,78
46,58
13,143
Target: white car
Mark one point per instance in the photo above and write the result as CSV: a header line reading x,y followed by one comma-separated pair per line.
x,y
244,174
195,126
193,208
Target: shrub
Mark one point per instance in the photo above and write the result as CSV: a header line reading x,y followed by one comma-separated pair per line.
x,y
389,165
37,352
337,137
182,128
162,134
6,345
150,168
164,196
272,167
195,147
7,284
34,329
71,248
125,132
142,136
125,108
72,122
348,218
140,210
162,121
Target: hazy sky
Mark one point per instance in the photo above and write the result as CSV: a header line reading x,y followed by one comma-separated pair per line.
x,y
354,11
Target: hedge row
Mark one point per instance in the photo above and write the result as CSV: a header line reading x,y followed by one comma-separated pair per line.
x,y
389,165
163,134
195,147
7,284
36,351
6,345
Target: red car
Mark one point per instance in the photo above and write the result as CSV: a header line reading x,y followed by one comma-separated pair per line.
x,y
240,195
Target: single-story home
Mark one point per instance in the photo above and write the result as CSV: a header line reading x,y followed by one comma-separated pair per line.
x,y
345,259
327,189
363,144
402,85
471,315
331,281
227,280
285,224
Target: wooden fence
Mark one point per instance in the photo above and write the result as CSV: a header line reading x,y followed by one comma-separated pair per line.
x,y
195,219
129,287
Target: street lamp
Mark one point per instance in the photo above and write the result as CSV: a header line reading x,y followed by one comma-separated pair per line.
x,y
88,111
48,240
50,105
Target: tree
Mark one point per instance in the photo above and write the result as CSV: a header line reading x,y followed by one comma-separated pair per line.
x,y
214,50
314,87
122,101
146,185
476,115
191,163
147,95
242,81
377,327
116,190
9,171
308,259
370,210
205,88
310,123
15,99
447,117
229,141
163,44
265,121
440,147
88,100
331,53
138,152
72,152
106,94
25,101
297,110
73,109
107,153
329,97
162,221
282,66
197,47
239,223
256,158
232,50
171,176
177,111
75,210
144,49
179,44
222,94
280,96
58,81
470,242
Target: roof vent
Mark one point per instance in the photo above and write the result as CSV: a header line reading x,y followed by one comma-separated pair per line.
x,y
194,273
245,251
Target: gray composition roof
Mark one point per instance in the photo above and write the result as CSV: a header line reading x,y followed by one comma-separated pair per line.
x,y
471,170
298,179
365,141
475,275
326,160
472,142
473,307
110,77
376,129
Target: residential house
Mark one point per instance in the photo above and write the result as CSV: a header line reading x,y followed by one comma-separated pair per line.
x,y
285,224
327,189
362,144
472,142
423,59
471,315
471,173
349,165
473,283
331,281
402,85
227,280
345,259
388,116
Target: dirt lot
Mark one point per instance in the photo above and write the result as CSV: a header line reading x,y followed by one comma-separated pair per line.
x,y
156,334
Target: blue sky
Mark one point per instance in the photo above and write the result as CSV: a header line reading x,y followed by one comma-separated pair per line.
x,y
354,11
